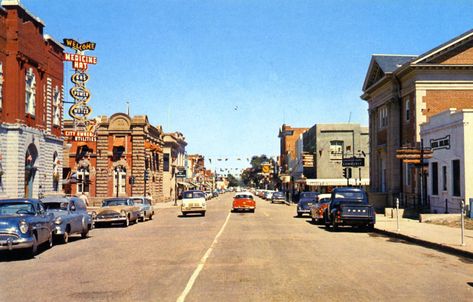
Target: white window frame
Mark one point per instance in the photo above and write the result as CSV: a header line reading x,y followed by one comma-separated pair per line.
x,y
408,109
30,92
81,175
336,149
1,85
56,106
121,180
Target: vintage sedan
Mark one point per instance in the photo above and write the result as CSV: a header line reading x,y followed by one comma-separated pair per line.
x,y
70,216
306,200
24,224
116,210
146,207
244,201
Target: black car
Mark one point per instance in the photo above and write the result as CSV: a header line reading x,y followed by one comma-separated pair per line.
x,y
349,206
278,197
306,201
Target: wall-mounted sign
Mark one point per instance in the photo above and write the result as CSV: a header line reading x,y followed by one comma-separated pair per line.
x,y
71,43
353,162
80,111
80,136
440,143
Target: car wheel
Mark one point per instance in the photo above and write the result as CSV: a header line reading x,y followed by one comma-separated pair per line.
x,y
299,214
143,218
184,214
203,213
334,226
253,210
85,232
31,252
314,221
127,222
50,240
151,216
65,237
370,227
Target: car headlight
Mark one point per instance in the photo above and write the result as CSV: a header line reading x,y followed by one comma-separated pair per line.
x,y
58,220
23,227
122,213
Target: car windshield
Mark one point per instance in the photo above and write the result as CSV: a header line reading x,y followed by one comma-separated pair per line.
x,y
114,202
350,195
138,200
309,194
16,208
55,205
247,196
324,200
189,195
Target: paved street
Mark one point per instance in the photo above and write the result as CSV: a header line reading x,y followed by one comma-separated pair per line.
x,y
266,256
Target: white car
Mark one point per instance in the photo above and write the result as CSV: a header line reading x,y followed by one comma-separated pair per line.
x,y
193,202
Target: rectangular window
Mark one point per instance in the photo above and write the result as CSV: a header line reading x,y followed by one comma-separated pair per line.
x,y
435,178
166,162
383,117
444,178
456,177
408,110
336,149
408,172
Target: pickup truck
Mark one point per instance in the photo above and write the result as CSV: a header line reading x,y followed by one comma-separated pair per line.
x,y
349,206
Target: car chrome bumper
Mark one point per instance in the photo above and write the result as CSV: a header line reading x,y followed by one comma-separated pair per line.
x,y
112,219
13,244
192,209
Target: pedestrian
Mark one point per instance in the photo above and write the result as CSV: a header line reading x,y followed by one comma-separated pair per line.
x,y
84,198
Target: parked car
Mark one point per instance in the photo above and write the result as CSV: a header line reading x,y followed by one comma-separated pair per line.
x,y
349,206
244,201
24,224
146,207
117,210
70,216
306,200
317,210
268,195
278,197
193,201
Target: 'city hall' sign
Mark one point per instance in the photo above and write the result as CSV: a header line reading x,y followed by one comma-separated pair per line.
x,y
80,110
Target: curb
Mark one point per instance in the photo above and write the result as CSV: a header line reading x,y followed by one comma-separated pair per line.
x,y
428,244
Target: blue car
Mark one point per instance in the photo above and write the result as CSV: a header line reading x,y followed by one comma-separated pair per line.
x,y
24,224
70,216
306,201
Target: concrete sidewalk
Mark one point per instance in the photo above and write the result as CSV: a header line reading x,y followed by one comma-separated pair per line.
x,y
165,205
443,238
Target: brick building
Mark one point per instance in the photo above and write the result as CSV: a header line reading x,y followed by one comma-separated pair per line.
x,y
288,137
114,163
174,155
402,92
31,98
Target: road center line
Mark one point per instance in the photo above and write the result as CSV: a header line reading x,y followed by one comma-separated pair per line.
x,y
202,261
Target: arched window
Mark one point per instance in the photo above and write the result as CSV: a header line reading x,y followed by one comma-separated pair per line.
x,y
408,110
30,92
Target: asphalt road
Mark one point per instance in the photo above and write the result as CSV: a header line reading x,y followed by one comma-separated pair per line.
x,y
266,256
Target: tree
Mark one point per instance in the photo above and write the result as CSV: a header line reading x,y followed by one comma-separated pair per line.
x,y
254,177
233,181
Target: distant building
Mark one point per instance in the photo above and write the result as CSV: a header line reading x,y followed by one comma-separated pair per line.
x,y
404,91
323,147
450,177
174,173
288,136
31,105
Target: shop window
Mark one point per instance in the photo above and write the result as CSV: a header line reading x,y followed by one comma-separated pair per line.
x,y
435,178
83,180
408,174
456,177
1,85
56,106
82,152
30,92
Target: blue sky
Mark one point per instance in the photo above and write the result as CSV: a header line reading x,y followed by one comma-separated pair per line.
x,y
189,64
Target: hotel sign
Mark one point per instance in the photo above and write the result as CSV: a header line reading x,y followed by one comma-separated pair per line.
x,y
80,110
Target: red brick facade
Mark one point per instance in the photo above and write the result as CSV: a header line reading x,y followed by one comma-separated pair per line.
x,y
23,46
441,100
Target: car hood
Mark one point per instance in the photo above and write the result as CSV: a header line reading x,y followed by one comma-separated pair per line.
x,y
58,213
8,221
115,209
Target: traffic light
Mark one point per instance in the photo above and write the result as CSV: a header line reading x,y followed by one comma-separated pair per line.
x,y
345,172
349,172
146,175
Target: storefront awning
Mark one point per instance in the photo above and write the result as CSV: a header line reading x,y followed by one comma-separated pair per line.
x,y
320,182
184,184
